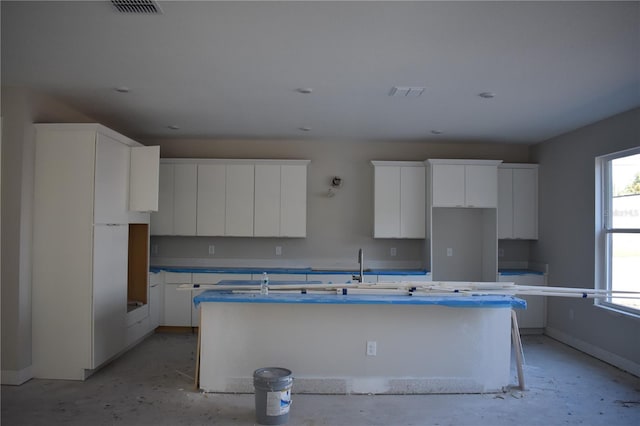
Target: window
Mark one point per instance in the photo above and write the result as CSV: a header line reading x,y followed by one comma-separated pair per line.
x,y
618,228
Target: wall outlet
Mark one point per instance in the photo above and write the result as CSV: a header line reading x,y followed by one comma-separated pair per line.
x,y
212,250
500,252
372,348
278,251
392,252
571,314
449,252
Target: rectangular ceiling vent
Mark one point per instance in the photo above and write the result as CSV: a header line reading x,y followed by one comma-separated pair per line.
x,y
412,91
137,6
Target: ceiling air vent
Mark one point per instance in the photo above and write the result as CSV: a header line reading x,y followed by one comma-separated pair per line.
x,y
406,91
137,6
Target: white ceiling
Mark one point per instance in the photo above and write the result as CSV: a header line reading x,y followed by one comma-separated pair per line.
x,y
231,69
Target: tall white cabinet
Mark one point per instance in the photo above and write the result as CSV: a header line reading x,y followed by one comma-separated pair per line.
x,y
80,246
462,219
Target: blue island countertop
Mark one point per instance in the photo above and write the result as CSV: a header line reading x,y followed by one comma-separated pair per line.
x,y
306,271
473,301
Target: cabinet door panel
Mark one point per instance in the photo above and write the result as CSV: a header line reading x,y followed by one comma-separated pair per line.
x,y
448,185
386,202
111,181
162,220
267,200
293,201
412,202
239,200
185,181
481,183
177,306
525,203
211,199
109,291
505,203
144,172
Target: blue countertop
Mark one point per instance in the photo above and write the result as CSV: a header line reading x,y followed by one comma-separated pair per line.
x,y
475,301
306,271
519,272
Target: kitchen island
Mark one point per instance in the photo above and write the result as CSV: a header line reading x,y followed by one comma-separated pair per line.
x,y
342,344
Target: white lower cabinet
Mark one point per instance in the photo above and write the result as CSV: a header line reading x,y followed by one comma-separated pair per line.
x,y
156,302
177,303
534,317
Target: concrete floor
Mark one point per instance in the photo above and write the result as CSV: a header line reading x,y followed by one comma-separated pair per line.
x,y
153,385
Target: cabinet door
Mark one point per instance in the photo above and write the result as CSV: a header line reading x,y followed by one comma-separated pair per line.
x,y
448,185
412,202
143,178
481,186
386,204
109,291
155,304
239,200
293,201
525,203
162,220
177,306
505,203
267,200
185,180
111,181
211,199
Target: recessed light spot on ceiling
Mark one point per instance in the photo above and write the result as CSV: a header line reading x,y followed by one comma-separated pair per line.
x,y
305,90
137,6
122,89
487,95
173,127
407,91
437,132
305,129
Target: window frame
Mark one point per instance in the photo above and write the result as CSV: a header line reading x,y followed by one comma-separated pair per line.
x,y
605,230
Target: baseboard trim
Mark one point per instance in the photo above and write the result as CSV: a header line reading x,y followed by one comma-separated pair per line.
x,y
596,352
16,377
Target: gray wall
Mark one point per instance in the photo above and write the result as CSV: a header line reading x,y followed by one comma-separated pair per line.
x,y
337,226
19,110
567,235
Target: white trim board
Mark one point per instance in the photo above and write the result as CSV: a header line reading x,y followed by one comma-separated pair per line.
x,y
596,352
16,377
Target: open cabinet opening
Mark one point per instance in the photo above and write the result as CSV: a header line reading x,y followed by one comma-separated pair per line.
x,y
138,265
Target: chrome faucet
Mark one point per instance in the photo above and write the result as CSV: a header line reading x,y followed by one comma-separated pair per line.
x,y
359,278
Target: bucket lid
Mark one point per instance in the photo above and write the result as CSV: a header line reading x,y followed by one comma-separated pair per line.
x,y
271,373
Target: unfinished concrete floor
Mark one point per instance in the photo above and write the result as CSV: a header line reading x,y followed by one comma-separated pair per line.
x,y
153,385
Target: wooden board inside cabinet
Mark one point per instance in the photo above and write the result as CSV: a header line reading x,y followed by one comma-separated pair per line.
x,y
138,263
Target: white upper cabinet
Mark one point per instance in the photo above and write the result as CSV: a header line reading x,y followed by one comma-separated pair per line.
x,y
464,183
399,199
281,200
235,198
211,199
239,200
143,178
185,178
518,201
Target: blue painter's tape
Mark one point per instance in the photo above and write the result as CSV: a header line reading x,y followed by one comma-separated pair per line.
x,y
474,301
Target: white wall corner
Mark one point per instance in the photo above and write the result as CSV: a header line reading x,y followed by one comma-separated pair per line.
x,y
16,377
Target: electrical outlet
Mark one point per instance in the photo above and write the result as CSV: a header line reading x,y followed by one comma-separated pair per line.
x,y
449,252
500,252
372,348
212,249
392,251
278,251
571,314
